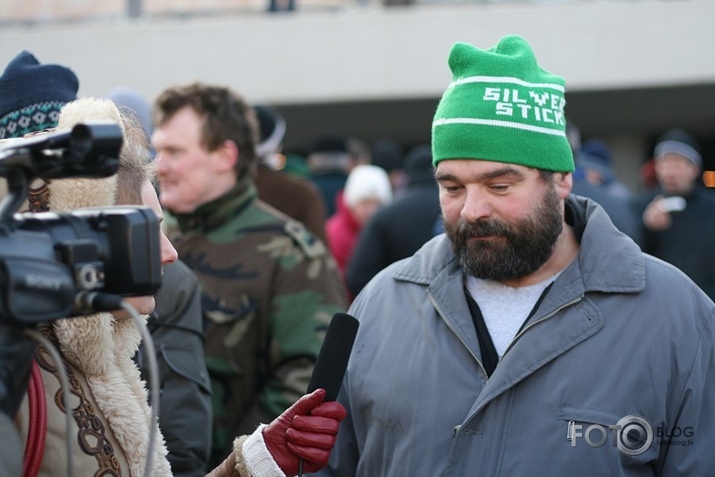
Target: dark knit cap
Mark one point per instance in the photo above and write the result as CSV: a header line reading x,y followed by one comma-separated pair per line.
x,y
418,164
330,143
33,94
387,153
595,155
678,141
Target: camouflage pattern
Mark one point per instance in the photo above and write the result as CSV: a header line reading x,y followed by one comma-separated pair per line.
x,y
269,290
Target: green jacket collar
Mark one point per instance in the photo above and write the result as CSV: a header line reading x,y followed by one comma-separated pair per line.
x,y
217,212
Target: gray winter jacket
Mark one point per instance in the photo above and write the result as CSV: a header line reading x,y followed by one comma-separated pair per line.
x,y
617,359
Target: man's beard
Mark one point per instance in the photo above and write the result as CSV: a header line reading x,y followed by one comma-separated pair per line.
x,y
512,250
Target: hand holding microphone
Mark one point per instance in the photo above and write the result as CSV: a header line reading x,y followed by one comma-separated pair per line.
x,y
307,430
302,437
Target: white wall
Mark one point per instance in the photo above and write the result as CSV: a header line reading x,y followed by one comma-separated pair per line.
x,y
379,53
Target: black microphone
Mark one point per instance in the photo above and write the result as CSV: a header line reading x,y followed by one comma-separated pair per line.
x,y
333,358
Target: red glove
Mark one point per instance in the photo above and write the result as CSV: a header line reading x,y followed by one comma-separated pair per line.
x,y
307,430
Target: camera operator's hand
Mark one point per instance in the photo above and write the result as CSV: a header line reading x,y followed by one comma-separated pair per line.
x,y
307,430
16,352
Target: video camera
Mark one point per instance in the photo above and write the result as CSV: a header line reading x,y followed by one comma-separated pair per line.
x,y
52,264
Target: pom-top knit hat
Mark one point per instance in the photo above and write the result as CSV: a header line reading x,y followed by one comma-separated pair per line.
x,y
501,106
33,94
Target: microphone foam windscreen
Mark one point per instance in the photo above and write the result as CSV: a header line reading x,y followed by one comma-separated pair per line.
x,y
334,355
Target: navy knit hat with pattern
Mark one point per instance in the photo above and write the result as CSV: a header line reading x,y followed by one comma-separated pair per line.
x,y
31,95
502,106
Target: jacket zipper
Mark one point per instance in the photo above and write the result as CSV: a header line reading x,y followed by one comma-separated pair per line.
x,y
456,430
531,325
439,311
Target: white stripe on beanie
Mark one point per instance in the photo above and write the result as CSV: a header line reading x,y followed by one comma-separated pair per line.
x,y
505,124
506,79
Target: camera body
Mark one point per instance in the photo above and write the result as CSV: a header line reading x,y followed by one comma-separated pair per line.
x,y
50,261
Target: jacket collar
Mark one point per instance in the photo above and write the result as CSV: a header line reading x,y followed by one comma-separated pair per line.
x,y
213,214
608,262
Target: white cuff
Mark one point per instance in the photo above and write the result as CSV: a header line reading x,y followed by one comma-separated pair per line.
x,y
258,459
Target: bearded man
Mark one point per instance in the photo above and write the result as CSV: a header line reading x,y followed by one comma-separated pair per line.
x,y
532,338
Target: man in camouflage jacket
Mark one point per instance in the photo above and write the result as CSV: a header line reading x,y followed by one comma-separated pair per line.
x,y
269,286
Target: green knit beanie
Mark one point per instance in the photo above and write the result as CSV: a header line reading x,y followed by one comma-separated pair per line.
x,y
501,106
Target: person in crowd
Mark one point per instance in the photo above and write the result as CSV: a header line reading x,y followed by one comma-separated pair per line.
x,y
132,102
678,218
33,95
533,336
591,184
646,173
399,229
330,162
109,407
176,327
618,209
594,164
296,166
298,198
185,412
176,330
38,92
360,151
387,153
367,189
270,287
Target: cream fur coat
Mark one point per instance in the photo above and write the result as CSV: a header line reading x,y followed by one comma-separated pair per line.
x,y
100,351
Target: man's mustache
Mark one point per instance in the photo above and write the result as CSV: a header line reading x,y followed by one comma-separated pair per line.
x,y
483,228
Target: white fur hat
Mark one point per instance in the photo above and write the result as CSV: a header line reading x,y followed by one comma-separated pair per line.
x,y
367,182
